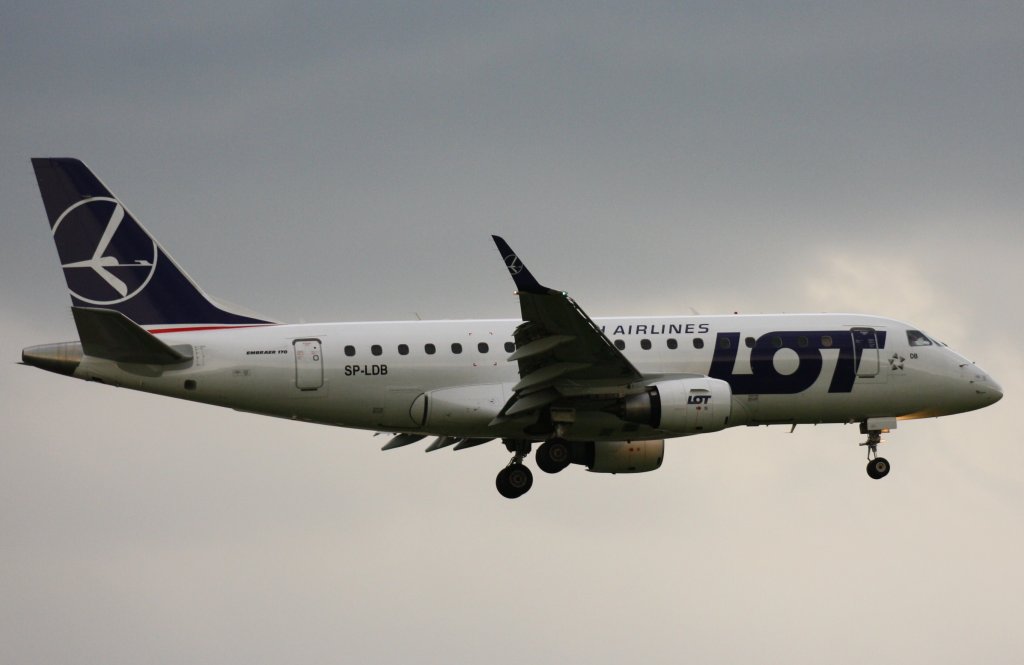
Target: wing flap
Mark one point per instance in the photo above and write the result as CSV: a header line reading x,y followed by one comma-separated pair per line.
x,y
540,346
442,442
400,440
470,443
532,402
546,374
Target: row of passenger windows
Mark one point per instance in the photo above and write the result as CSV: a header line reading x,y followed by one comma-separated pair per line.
x,y
429,349
726,343
645,344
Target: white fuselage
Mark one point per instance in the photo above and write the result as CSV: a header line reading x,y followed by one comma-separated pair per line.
x,y
602,393
804,368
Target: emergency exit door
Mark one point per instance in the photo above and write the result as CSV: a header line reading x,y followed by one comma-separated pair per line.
x,y
309,364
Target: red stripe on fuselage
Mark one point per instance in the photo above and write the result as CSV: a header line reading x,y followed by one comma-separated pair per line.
x,y
160,331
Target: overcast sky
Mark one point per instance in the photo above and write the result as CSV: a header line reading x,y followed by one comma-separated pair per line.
x,y
349,162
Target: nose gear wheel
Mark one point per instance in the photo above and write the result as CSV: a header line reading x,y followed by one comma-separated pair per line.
x,y
878,467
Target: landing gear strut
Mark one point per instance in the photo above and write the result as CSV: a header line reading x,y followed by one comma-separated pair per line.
x,y
878,467
516,479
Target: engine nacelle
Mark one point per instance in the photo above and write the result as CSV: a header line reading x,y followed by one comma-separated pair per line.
x,y
682,406
625,456
454,410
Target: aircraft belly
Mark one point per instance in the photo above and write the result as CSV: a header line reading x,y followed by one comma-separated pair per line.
x,y
867,400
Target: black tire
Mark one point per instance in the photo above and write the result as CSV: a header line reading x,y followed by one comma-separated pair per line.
x,y
878,468
514,481
553,456
504,488
520,478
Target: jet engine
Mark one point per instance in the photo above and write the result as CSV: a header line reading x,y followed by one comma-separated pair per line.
x,y
681,406
464,409
625,456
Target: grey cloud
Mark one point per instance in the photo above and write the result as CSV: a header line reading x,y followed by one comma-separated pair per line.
x,y
350,161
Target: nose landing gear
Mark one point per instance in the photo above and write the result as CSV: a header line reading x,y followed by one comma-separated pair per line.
x,y
878,467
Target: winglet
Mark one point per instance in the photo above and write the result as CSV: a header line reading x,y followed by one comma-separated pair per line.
x,y
520,275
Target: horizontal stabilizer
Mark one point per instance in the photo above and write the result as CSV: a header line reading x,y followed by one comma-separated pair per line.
x,y
108,334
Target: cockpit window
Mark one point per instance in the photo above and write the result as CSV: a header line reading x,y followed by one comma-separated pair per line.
x,y
917,338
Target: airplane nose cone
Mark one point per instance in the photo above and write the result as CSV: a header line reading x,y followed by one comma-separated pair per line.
x,y
995,390
985,387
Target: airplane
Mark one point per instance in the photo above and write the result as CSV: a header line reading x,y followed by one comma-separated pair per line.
x,y
604,393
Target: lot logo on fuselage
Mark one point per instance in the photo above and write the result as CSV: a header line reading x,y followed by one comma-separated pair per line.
x,y
847,347
107,257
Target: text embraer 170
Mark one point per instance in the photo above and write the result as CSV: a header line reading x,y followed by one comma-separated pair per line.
x,y
603,393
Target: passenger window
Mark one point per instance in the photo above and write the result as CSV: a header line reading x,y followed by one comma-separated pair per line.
x,y
482,347
671,343
350,350
645,344
777,342
802,342
403,349
376,350
698,343
917,338
826,341
724,343
620,345
749,342
456,347
430,349
509,347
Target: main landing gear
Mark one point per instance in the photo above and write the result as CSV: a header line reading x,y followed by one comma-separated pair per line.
x,y
878,467
516,479
553,455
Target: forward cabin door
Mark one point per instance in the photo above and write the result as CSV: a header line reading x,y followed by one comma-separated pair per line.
x,y
309,364
865,345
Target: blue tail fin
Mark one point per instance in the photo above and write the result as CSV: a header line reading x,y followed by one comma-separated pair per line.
x,y
110,261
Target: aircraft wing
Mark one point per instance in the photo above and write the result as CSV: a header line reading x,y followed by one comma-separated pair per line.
x,y
558,347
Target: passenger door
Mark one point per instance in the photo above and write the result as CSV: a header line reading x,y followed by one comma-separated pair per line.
x,y
865,347
309,364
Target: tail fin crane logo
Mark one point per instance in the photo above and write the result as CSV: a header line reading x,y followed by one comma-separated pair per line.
x,y
124,264
514,265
